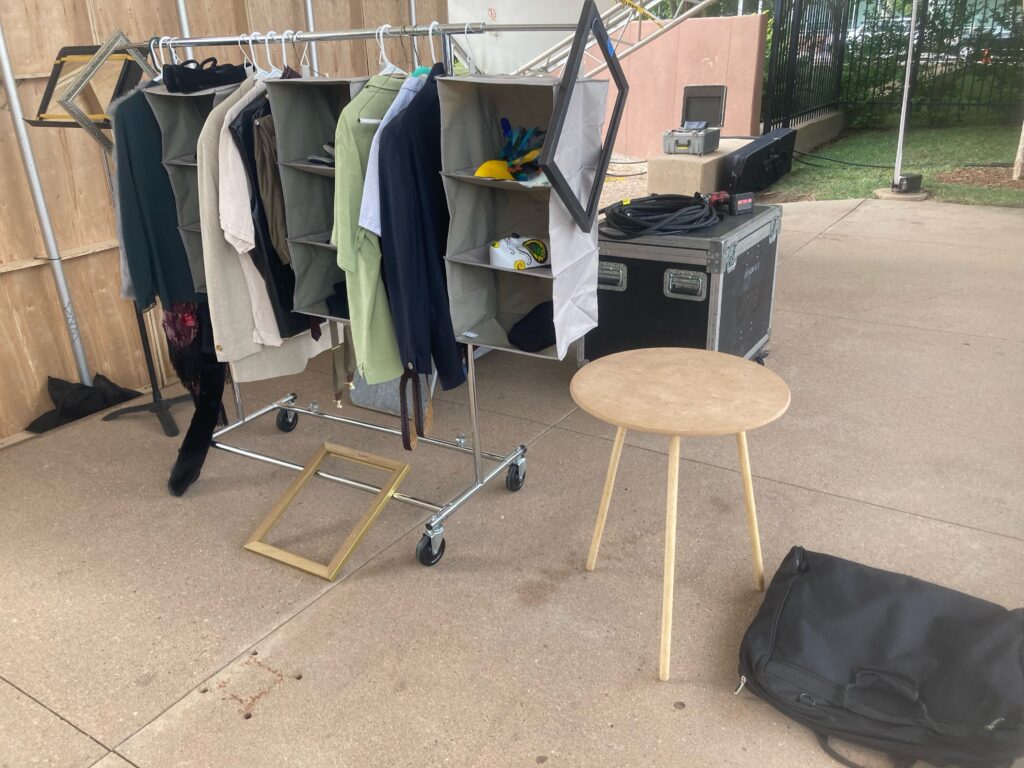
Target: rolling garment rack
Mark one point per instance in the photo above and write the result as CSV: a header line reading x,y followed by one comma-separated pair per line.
x,y
430,547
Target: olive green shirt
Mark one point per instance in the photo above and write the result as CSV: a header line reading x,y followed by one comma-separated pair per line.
x,y
359,255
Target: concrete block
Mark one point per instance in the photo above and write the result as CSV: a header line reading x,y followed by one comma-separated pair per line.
x,y
820,130
686,174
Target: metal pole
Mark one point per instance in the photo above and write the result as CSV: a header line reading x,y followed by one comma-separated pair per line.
x,y
658,33
412,23
183,24
472,28
42,212
311,24
796,22
906,97
446,53
474,428
768,109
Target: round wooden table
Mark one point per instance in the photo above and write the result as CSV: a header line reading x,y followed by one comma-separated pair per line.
x,y
679,392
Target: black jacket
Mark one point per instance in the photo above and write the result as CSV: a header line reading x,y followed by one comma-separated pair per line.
x,y
414,219
279,278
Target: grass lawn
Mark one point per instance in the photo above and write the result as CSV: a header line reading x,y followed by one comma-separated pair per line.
x,y
941,155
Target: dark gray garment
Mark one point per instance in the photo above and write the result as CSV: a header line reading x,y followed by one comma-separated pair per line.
x,y
269,178
147,213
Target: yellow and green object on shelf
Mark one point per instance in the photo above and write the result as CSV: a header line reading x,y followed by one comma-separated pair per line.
x,y
515,252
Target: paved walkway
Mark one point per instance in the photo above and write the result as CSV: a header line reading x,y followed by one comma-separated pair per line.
x,y
135,630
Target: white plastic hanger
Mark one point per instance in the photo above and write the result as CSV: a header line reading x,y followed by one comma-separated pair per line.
x,y
251,64
470,64
274,71
260,73
305,68
387,67
284,51
435,24
156,62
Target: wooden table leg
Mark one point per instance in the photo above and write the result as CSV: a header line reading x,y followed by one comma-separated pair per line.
x,y
671,499
606,497
748,495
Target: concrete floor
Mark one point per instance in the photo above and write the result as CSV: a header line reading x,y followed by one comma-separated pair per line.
x,y
136,631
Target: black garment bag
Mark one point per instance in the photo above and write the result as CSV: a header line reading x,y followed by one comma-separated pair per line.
x,y
888,661
762,162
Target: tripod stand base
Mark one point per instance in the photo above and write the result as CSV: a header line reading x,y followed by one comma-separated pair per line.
x,y
162,409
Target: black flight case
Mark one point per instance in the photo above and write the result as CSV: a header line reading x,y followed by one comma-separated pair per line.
x,y
713,289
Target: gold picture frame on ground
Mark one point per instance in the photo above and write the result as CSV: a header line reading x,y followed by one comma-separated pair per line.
x,y
330,570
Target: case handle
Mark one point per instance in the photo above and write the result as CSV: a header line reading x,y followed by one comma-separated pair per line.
x,y
891,697
686,284
611,276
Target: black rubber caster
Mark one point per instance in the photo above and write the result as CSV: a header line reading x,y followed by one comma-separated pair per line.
x,y
759,358
287,420
425,553
516,478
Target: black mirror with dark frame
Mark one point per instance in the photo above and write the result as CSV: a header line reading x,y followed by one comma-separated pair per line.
x,y
590,22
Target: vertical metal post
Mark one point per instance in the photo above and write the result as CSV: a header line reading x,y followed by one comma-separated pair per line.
x,y
311,27
796,23
769,107
446,53
236,391
412,23
906,96
183,24
42,212
474,429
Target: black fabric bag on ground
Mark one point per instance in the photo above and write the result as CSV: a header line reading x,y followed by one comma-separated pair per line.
x,y
762,162
888,661
75,401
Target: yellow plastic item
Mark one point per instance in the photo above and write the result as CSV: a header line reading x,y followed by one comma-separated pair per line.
x,y
494,169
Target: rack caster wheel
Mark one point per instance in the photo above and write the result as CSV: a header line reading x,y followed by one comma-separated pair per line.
x,y
287,420
759,358
425,553
516,478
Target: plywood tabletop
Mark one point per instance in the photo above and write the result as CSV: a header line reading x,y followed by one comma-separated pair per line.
x,y
676,391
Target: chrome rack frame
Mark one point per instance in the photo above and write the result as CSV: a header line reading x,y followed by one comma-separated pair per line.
x,y
431,545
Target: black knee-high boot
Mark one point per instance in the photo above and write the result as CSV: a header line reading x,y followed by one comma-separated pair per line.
x,y
196,444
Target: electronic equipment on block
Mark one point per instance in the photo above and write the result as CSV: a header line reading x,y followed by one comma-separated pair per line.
x,y
710,289
701,123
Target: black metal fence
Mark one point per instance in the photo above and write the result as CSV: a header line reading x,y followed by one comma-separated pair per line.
x,y
804,73
968,59
822,54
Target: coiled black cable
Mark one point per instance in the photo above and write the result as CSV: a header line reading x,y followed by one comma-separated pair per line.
x,y
658,215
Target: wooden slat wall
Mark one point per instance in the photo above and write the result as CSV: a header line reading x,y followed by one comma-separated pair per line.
x,y
33,340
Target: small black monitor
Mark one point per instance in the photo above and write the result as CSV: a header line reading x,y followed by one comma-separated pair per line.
x,y
704,103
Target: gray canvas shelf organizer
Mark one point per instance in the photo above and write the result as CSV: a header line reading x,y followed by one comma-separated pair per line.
x,y
305,118
181,117
487,301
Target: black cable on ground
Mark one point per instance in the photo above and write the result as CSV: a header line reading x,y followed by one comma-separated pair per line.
x,y
812,165
658,215
837,160
889,167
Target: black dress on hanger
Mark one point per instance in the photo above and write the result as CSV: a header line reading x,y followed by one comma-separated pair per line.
x,y
159,267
